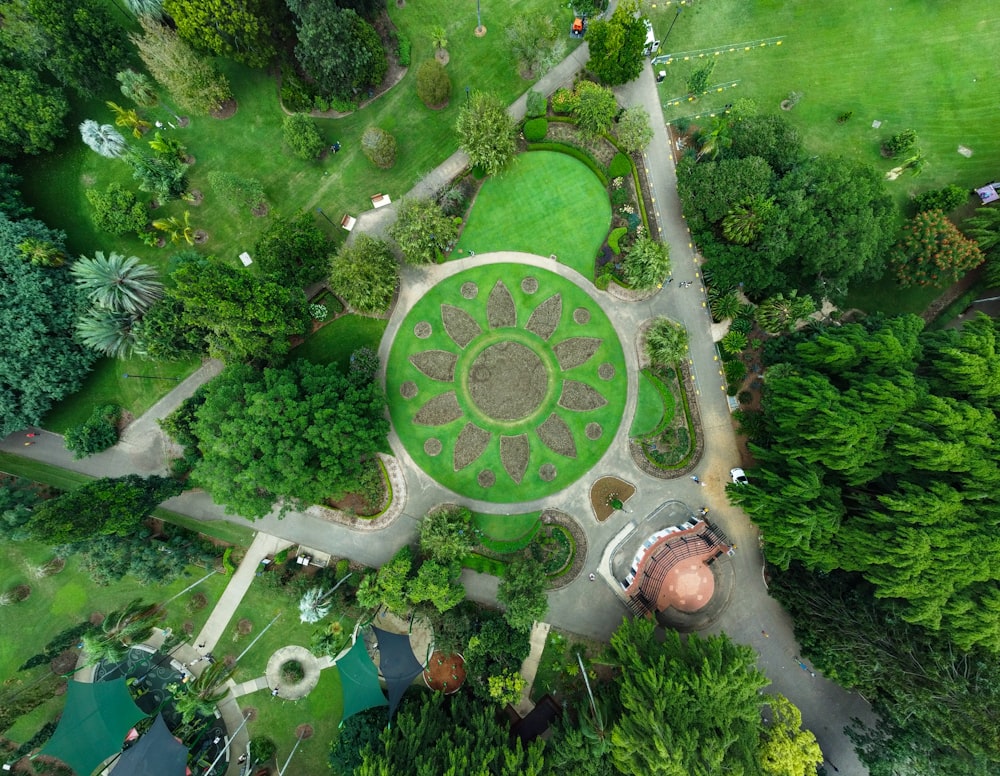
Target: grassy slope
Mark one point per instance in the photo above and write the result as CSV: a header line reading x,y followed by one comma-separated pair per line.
x,y
505,527
547,203
649,409
335,342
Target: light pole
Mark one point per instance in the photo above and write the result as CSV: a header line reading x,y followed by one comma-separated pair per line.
x,y
320,211
468,89
480,29
672,23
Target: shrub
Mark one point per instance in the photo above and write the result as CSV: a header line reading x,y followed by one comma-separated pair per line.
x,y
379,146
946,198
97,433
535,130
433,84
900,143
563,102
228,567
117,210
537,105
302,136
620,166
296,95
262,749
403,47
619,196
745,397
614,237
647,263
735,371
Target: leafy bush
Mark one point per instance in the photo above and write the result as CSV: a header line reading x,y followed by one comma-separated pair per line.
x,y
735,371
535,130
117,210
356,734
620,166
745,397
97,433
614,237
946,198
262,749
433,84
228,567
537,105
403,47
379,146
563,101
900,143
302,136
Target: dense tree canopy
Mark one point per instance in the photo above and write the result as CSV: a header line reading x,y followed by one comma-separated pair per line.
x,y
294,250
338,49
31,112
239,29
301,433
365,274
522,592
422,230
11,202
616,45
877,455
932,252
447,535
40,362
486,132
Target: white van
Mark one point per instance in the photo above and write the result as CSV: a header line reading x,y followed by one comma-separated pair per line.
x,y
652,44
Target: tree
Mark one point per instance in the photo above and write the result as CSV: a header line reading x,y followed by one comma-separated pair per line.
x,y
40,361
339,50
984,228
193,81
646,264
176,228
300,434
137,87
314,605
422,230
946,198
745,222
697,82
666,342
433,84
117,283
595,109
633,130
365,274
667,690
103,139
31,112
243,316
238,190
770,136
536,43
358,733
522,592
506,688
389,585
117,211
437,584
78,41
294,250
109,507
616,45
379,147
778,313
447,535
122,629
786,749
11,203
151,8
127,117
239,29
164,178
734,343
167,147
900,143
449,735
163,335
199,696
302,137
96,434
486,132
932,252
17,499
724,306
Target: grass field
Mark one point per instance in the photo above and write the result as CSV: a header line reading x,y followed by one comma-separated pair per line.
x,y
474,370
650,409
334,343
505,528
546,203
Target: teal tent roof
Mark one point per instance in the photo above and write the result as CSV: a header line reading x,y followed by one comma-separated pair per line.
x,y
359,681
95,721
399,665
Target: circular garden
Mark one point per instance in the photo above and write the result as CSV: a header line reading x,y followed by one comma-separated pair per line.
x,y
506,383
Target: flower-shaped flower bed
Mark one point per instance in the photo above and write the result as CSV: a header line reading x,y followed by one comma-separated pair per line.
x,y
506,383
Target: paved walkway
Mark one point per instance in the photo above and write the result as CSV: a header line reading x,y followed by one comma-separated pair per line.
x,y
529,668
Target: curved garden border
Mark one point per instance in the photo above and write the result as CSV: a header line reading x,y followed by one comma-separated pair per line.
x,y
395,493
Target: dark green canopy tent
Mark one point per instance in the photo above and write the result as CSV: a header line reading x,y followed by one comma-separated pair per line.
x,y
399,665
359,681
95,721
157,753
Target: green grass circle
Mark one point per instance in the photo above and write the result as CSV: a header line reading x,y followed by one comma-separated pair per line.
x,y
401,370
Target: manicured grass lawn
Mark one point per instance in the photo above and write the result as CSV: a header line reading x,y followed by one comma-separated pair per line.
x,y
334,343
505,528
546,203
278,720
650,411
474,371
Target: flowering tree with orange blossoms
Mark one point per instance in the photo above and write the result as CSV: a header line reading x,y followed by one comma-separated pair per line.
x,y
932,252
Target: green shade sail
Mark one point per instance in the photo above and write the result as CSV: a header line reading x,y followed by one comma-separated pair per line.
x,y
359,681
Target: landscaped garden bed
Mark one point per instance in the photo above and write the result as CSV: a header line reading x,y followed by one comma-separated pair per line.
x,y
608,495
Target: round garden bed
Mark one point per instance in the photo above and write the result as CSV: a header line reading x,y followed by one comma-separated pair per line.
x,y
445,673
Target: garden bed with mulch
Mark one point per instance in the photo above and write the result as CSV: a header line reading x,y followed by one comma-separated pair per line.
x,y
445,673
603,494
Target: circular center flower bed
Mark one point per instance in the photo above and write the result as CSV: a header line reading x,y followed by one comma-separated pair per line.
x,y
506,382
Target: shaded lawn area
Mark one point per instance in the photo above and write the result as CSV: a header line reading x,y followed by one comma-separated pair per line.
x,y
650,409
278,719
546,203
335,342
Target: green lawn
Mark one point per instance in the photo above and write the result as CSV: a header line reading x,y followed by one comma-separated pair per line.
x,y
334,343
475,370
278,720
505,528
546,203
650,410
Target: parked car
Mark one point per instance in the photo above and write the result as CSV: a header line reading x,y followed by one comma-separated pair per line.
x,y
739,476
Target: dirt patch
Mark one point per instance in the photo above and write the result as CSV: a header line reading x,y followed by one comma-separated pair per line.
x,y
545,318
486,478
556,436
408,390
500,310
195,197
606,371
442,56
547,472
508,381
470,445
580,397
461,326
96,618
436,364
244,627
514,454
304,732
445,673
470,290
261,210
200,237
576,351
20,593
422,330
529,285
433,447
604,491
594,431
581,315
225,111
64,662
439,410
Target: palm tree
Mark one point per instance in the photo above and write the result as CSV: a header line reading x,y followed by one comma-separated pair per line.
x,y
127,117
715,139
121,630
199,696
747,219
107,332
103,139
117,283
439,38
724,306
778,313
734,342
137,87
167,147
150,8
666,342
42,252
177,229
313,605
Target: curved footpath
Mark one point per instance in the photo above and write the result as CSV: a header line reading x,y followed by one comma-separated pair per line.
x,y
592,610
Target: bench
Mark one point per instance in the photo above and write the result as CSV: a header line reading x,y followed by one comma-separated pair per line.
x,y
245,258
380,200
348,221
